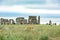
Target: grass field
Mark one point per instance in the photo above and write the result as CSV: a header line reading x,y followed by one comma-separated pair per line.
x,y
29,32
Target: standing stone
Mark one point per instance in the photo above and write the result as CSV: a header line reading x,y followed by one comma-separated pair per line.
x,y
38,19
25,21
50,22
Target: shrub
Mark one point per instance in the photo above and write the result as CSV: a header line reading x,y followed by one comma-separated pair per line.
x,y
29,36
1,33
2,37
43,37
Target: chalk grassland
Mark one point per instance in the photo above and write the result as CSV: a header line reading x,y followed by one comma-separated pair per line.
x,y
29,32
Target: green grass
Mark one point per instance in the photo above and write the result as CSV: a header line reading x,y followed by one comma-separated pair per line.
x,y
21,32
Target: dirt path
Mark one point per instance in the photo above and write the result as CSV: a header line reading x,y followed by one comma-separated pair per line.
x,y
56,38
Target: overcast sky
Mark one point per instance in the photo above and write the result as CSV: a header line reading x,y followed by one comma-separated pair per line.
x,y
29,7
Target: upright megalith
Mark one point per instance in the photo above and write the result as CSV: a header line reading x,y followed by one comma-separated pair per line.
x,y
50,22
6,21
25,21
38,19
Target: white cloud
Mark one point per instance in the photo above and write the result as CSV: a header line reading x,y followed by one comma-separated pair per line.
x,y
9,17
43,6
24,9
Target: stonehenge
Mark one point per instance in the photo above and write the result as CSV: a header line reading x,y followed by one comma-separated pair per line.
x,y
21,20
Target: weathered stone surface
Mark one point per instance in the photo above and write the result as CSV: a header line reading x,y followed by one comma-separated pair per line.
x,y
4,21
25,21
32,20
21,20
38,19
1,21
11,21
50,22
